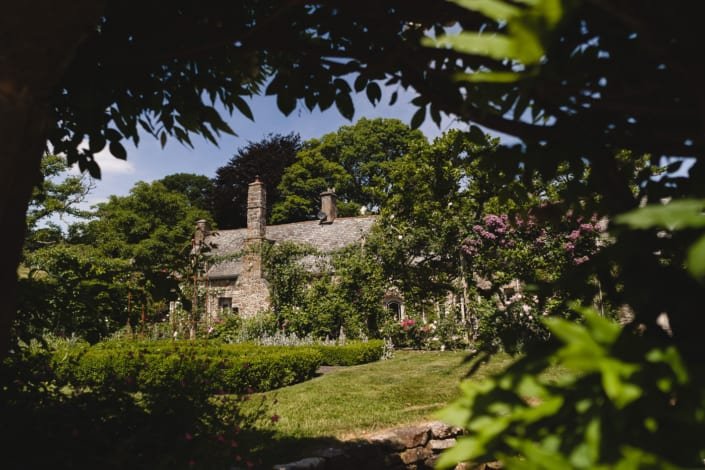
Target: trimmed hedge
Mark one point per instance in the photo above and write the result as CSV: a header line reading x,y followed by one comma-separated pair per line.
x,y
147,371
201,366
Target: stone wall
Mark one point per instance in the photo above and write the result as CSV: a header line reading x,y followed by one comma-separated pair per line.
x,y
249,295
409,447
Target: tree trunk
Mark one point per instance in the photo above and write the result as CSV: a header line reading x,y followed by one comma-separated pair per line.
x,y
38,39
22,136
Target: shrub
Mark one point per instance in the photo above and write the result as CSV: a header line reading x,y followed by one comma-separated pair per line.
x,y
162,365
105,425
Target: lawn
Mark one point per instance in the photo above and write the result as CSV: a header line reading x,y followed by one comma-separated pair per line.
x,y
349,402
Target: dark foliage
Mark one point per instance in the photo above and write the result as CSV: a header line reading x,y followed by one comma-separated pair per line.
x,y
266,159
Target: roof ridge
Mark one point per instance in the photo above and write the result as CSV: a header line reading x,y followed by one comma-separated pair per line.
x,y
313,221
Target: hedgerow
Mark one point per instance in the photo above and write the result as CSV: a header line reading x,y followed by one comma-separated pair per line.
x,y
149,366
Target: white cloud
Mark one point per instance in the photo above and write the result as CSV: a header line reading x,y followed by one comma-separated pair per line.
x,y
109,165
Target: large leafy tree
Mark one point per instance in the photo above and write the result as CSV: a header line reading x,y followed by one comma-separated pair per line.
x,y
197,188
266,159
151,228
434,198
102,71
355,160
74,290
58,198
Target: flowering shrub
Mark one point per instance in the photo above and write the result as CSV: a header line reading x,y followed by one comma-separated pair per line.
x,y
502,249
447,333
407,333
505,254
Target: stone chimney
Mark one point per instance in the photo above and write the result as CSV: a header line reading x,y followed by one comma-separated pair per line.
x,y
256,210
329,210
199,237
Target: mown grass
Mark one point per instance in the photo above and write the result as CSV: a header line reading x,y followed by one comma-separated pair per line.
x,y
349,402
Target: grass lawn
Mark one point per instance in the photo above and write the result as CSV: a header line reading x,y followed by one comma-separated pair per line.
x,y
348,402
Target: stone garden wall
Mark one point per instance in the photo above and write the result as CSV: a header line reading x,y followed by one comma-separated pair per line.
x,y
409,447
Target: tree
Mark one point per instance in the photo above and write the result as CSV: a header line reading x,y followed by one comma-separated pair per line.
x,y
54,198
579,89
355,160
97,72
267,159
427,213
151,228
196,188
73,290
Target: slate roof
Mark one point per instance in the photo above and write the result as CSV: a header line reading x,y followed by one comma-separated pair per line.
x,y
326,238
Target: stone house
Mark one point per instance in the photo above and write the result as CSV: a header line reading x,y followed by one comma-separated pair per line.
x,y
238,283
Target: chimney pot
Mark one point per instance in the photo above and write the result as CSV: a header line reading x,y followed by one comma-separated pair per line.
x,y
328,206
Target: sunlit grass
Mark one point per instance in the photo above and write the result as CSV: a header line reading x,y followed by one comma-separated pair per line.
x,y
354,400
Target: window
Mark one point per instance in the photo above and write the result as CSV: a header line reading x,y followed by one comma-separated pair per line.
x,y
225,304
394,308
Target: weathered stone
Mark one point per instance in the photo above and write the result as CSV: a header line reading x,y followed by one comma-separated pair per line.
x,y
330,453
441,444
431,461
441,430
415,455
393,460
309,463
402,438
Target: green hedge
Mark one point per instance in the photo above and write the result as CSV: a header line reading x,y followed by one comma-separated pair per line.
x,y
163,370
352,353
201,366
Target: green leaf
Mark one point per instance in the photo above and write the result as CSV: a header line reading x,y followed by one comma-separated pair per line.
x,y
93,168
534,453
696,258
360,83
286,103
435,116
96,143
418,118
345,105
117,150
490,77
676,215
621,393
497,10
326,98
374,93
310,101
671,357
466,448
112,134
393,98
602,329
243,107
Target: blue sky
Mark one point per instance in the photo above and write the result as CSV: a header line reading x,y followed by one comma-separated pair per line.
x,y
149,161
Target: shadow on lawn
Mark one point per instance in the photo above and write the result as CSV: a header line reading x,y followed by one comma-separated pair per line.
x,y
90,430
47,424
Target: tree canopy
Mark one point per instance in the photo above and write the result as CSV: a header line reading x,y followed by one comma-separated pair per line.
x,y
267,158
198,189
151,228
355,160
